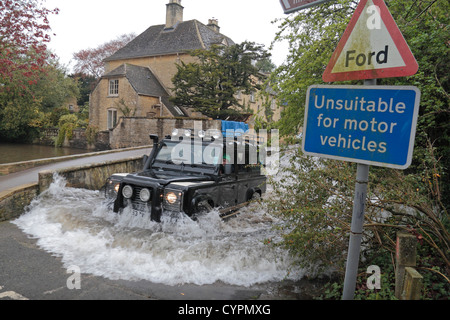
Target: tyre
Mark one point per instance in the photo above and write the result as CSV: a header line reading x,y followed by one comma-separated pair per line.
x,y
203,207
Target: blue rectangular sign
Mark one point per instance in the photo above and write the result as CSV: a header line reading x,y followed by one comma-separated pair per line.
x,y
374,125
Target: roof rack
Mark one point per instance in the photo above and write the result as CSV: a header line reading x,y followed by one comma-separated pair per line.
x,y
215,134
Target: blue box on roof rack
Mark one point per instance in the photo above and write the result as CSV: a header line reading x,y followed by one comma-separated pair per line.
x,y
236,127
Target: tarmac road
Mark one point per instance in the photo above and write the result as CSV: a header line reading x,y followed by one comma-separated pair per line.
x,y
29,273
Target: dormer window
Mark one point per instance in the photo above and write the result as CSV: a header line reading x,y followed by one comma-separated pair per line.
x,y
113,87
178,110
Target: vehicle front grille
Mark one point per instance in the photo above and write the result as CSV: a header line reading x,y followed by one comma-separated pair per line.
x,y
137,203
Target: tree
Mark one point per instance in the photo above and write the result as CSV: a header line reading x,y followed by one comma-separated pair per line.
x,y
265,65
313,197
90,61
210,84
87,84
25,112
24,32
54,87
312,35
426,28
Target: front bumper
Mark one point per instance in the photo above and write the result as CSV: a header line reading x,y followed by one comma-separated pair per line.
x,y
160,200
154,204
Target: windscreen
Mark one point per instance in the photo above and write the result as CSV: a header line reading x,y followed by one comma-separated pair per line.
x,y
190,153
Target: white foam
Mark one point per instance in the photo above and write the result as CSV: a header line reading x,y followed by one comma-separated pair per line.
x,y
77,225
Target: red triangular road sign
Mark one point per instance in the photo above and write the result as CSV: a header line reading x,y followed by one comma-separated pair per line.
x,y
371,47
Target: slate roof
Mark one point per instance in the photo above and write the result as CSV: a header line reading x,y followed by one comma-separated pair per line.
x,y
157,40
145,83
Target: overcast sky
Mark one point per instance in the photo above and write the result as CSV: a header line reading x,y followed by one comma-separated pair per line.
x,y
83,24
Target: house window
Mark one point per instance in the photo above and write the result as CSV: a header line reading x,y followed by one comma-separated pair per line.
x,y
273,104
113,87
112,118
178,110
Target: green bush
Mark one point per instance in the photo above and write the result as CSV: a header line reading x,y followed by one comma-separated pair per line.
x,y
67,123
314,200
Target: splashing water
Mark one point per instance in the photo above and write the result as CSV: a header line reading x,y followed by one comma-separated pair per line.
x,y
78,226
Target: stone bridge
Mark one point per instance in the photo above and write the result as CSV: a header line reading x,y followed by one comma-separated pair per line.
x,y
90,171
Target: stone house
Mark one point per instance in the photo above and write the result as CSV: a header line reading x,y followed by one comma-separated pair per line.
x,y
72,105
131,91
138,77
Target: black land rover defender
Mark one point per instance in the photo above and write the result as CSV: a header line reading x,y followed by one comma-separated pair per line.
x,y
191,174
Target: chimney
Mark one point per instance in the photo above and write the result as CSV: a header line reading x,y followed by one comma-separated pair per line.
x,y
214,24
174,13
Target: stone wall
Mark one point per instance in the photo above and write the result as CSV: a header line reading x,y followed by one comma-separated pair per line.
x,y
135,131
14,201
78,141
48,137
92,177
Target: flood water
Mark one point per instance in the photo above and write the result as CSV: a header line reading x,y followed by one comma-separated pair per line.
x,y
78,226
12,152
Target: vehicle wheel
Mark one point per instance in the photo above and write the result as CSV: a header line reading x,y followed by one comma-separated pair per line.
x,y
204,207
255,196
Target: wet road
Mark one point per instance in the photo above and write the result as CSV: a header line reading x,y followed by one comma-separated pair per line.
x,y
27,272
30,273
31,175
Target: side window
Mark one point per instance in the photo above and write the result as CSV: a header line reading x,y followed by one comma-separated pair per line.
x,y
112,118
242,159
248,161
164,153
227,166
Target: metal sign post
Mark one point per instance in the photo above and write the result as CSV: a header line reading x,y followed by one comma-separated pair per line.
x,y
354,247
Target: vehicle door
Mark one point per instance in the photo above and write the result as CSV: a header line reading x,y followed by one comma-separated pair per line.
x,y
228,177
244,173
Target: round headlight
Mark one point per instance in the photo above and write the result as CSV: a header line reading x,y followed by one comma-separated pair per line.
x,y
201,134
144,195
175,132
127,192
171,197
187,132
